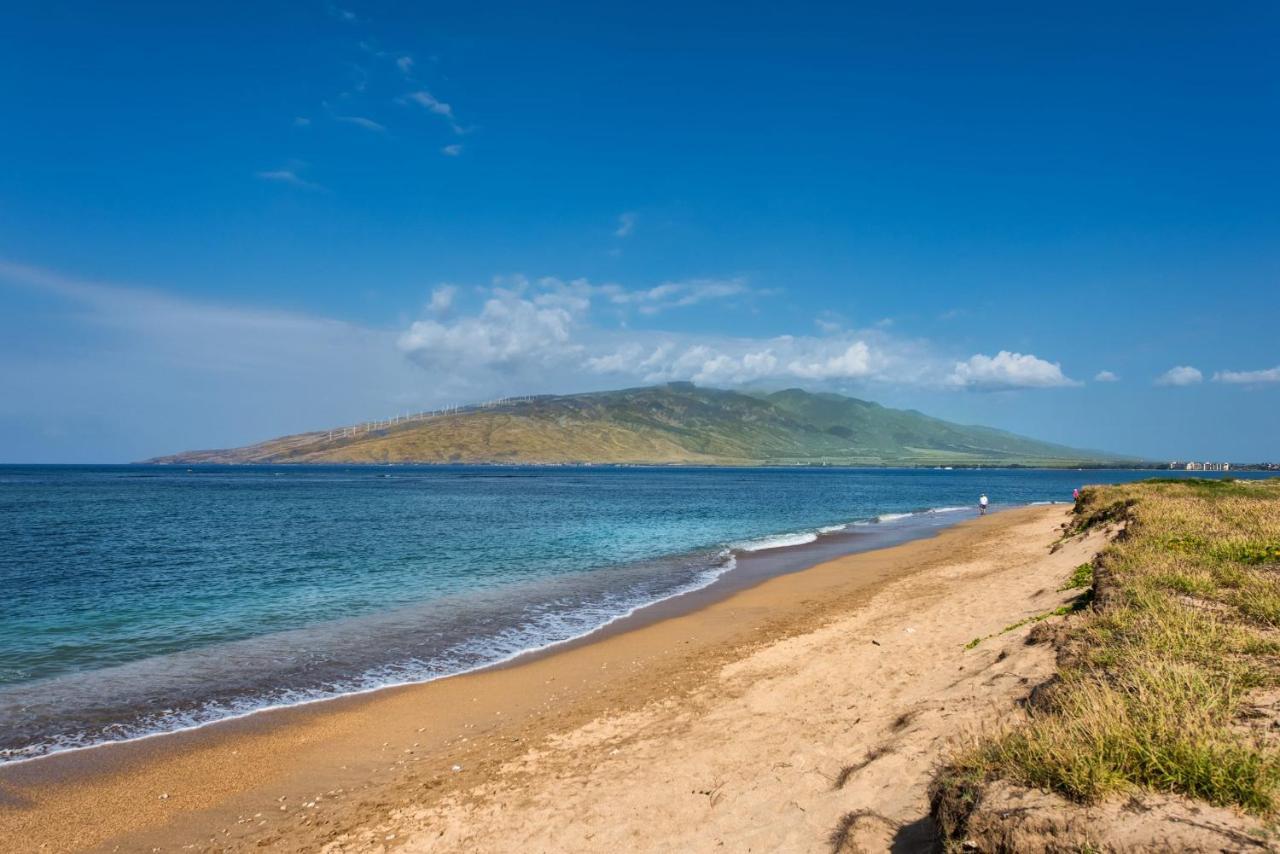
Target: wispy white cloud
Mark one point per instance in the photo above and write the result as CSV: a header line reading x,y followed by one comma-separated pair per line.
x,y
132,372
1181,375
288,176
341,14
301,122
673,294
1008,370
829,322
442,299
1267,375
431,103
451,150
626,224
158,313
362,122
1105,377
359,76
405,64
425,99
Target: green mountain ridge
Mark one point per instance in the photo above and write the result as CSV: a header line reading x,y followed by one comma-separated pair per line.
x,y
678,423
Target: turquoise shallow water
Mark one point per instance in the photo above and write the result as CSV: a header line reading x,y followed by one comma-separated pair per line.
x,y
142,599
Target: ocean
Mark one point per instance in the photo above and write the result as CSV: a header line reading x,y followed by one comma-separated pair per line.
x,y
136,600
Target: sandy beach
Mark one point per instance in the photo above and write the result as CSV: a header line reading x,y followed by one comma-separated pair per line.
x,y
801,713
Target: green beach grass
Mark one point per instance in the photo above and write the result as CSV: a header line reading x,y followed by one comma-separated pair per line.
x,y
1159,676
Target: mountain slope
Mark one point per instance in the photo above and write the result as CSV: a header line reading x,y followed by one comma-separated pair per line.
x,y
675,423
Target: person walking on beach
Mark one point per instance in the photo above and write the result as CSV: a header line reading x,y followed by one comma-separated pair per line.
x,y
1075,493
982,504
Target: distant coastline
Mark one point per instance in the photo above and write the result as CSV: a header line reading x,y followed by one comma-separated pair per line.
x,y
174,462
675,424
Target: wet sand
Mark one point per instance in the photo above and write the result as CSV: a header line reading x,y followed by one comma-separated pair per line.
x,y
482,761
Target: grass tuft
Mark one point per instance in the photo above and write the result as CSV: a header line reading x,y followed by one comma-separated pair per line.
x,y
848,771
1081,578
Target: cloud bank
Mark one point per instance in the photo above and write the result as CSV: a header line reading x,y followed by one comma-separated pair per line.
x,y
581,332
1268,375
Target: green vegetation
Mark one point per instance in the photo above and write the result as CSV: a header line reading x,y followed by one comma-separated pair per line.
x,y
1159,681
1081,578
671,424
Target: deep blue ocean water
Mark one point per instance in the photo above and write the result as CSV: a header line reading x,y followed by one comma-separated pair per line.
x,y
138,599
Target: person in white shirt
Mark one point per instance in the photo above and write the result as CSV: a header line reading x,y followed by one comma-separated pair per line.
x,y
982,505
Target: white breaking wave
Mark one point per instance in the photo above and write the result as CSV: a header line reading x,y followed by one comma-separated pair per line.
x,y
777,542
896,517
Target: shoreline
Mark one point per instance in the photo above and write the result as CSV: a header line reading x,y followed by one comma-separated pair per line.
x,y
752,562
755,567
497,464
143,791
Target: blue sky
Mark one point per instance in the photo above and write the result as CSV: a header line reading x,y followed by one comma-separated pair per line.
x,y
222,224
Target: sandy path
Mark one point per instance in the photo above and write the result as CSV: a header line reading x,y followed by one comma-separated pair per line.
x,y
752,760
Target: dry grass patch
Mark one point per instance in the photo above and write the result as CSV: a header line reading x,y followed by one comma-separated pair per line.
x,y
1156,675
848,771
